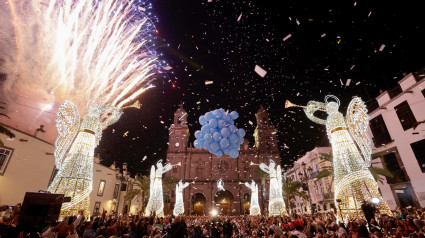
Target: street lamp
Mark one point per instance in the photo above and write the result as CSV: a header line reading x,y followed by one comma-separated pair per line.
x,y
305,177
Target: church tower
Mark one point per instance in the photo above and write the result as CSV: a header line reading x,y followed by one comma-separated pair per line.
x,y
179,132
265,133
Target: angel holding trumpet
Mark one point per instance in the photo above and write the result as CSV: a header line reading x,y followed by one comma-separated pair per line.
x,y
351,152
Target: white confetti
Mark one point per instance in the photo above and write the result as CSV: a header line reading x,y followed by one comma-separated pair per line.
x,y
198,102
162,122
323,35
355,3
358,83
141,8
144,158
352,67
382,47
240,16
209,0
250,122
348,82
287,37
168,67
298,22
369,14
260,71
208,82
340,80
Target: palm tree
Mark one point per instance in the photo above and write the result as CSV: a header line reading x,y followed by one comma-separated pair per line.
x,y
3,129
292,189
169,184
377,173
141,188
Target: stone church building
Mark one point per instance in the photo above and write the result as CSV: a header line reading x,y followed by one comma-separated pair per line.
x,y
202,169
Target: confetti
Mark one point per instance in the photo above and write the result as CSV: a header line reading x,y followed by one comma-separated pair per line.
x,y
287,37
239,18
207,82
168,68
260,71
323,35
250,122
358,83
382,47
348,82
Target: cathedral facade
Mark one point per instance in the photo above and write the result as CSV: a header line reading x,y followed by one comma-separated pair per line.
x,y
202,169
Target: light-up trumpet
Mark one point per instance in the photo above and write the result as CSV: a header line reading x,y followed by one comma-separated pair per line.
x,y
136,104
252,163
316,107
241,183
178,164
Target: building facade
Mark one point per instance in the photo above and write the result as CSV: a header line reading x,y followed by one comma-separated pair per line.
x,y
320,191
27,164
203,169
399,140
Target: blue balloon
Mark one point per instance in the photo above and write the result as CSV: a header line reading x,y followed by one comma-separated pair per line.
x,y
240,141
217,136
214,146
221,124
219,153
213,130
198,134
241,132
233,138
213,123
208,137
202,120
225,132
233,128
205,129
224,143
234,153
226,151
234,115
209,116
197,144
227,117
217,113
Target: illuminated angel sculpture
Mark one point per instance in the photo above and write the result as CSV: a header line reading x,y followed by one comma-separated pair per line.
x,y
254,209
220,185
276,204
179,207
351,157
75,176
156,198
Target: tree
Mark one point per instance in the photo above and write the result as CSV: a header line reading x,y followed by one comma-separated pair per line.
x,y
377,173
169,183
3,129
141,188
292,189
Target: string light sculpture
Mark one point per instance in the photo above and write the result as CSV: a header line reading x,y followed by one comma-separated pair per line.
x,y
156,198
220,185
179,207
254,209
75,176
351,152
276,204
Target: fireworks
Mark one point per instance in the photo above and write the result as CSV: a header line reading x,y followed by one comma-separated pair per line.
x,y
77,50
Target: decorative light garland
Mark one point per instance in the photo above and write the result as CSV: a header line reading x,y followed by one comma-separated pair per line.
x,y
353,180
254,209
156,198
75,176
179,207
276,204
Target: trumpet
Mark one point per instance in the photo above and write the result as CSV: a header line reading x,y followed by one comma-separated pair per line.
x,y
178,164
136,104
252,163
241,183
316,106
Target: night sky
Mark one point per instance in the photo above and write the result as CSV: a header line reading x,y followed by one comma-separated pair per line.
x,y
308,48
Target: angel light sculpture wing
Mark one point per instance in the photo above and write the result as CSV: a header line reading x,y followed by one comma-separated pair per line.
x,y
357,123
67,124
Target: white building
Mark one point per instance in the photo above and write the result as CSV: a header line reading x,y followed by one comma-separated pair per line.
x,y
397,145
305,170
27,164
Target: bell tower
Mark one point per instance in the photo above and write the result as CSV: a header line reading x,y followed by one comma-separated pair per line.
x,y
179,132
265,133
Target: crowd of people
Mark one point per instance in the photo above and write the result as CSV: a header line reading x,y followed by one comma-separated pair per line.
x,y
403,223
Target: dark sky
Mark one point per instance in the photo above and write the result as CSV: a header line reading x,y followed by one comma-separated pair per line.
x,y
369,42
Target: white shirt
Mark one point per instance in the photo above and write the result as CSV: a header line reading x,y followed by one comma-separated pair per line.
x,y
341,232
299,234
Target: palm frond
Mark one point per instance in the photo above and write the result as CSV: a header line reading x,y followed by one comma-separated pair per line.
x,y
324,173
261,174
131,194
381,171
326,156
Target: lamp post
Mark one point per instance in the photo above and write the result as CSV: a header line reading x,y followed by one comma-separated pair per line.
x,y
124,177
305,177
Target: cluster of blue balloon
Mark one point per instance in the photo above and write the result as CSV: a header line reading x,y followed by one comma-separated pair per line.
x,y
219,134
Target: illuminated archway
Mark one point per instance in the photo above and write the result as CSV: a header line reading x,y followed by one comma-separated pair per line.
x,y
198,204
224,202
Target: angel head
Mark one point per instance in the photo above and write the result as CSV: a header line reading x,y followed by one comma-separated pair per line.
x,y
95,106
159,163
180,183
332,106
272,163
